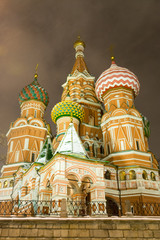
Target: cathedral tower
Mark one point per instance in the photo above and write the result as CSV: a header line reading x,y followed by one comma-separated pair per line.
x,y
122,125
81,88
26,135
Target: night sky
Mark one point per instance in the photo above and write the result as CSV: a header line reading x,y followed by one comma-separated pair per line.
x,y
43,32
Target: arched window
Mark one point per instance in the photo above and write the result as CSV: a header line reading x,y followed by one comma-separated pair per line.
x,y
91,120
35,113
5,184
102,149
11,183
86,146
137,145
144,175
132,175
48,185
107,175
108,149
153,176
33,157
94,150
122,176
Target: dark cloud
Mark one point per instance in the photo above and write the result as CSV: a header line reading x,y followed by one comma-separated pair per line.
x,y
38,31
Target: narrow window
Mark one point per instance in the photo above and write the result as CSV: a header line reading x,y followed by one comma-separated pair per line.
x,y
101,150
132,175
11,146
127,103
27,113
108,149
16,156
94,150
64,126
91,120
11,183
107,175
108,106
33,157
35,113
5,184
118,104
137,145
144,175
122,176
153,176
121,144
26,143
132,209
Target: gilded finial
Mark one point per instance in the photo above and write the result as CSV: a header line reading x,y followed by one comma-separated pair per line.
x,y
36,75
111,49
79,42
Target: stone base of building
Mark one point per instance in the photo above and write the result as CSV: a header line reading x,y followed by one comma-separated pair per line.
x,y
146,228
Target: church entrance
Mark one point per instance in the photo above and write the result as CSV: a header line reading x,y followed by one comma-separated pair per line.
x,y
112,207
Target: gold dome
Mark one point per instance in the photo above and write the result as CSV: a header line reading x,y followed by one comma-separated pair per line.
x,y
79,42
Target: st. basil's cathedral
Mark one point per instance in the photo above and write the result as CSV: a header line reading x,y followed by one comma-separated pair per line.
x,y
100,151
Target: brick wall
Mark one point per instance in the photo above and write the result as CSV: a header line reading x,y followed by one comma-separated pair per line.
x,y
80,229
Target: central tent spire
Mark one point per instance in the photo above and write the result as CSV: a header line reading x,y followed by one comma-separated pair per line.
x,y
80,64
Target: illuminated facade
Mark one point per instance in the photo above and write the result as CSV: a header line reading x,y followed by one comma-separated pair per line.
x,y
97,154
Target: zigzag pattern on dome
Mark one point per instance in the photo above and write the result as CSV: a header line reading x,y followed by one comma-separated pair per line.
x,y
67,108
116,77
34,91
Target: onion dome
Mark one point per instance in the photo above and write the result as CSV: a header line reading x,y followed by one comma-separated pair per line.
x,y
67,108
114,77
34,91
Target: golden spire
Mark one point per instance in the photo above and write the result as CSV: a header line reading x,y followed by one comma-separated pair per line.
x,y
79,42
111,49
80,64
36,75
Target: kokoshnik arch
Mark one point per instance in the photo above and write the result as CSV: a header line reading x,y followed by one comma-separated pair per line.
x,y
96,152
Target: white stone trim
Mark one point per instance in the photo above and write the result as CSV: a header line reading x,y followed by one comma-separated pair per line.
x,y
127,153
121,117
36,121
28,125
24,136
90,126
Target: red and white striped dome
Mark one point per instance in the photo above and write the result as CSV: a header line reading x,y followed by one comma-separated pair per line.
x,y
116,76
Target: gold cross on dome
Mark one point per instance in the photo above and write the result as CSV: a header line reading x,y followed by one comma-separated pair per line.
x,y
111,50
36,68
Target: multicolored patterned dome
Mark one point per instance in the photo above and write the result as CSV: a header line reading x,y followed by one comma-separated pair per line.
x,y
34,91
116,76
67,108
